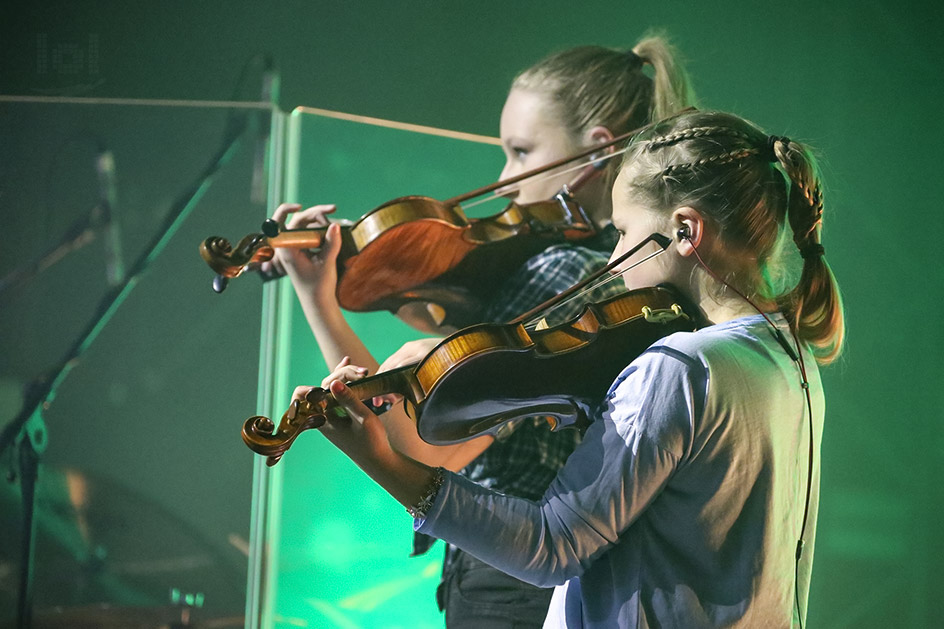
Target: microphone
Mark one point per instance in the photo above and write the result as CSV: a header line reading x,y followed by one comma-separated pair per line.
x,y
270,94
111,234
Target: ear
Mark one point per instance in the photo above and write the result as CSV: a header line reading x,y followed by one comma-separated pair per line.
x,y
598,135
688,229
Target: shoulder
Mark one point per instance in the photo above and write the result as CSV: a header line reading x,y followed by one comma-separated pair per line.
x,y
683,366
664,365
712,343
663,393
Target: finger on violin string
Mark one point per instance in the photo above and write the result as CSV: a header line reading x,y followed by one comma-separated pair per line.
x,y
384,401
345,373
333,236
284,211
327,254
301,392
363,436
314,216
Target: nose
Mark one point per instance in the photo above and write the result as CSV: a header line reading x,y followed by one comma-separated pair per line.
x,y
617,252
509,192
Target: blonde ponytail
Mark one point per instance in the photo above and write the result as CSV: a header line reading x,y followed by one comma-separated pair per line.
x,y
672,89
590,86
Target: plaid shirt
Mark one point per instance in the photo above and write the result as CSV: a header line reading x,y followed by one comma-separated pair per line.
x,y
526,454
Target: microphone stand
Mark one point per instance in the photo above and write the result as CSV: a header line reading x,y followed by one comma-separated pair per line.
x,y
79,234
28,427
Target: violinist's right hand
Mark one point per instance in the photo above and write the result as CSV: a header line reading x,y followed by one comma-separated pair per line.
x,y
316,271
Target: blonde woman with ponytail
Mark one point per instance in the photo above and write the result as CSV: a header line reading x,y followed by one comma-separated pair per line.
x,y
572,100
692,500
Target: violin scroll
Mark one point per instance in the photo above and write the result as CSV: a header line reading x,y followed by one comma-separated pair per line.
x,y
262,437
230,262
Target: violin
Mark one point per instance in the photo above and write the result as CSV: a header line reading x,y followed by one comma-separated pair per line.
x,y
480,377
418,249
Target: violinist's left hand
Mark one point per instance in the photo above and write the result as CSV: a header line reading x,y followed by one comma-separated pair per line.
x,y
345,372
311,272
363,438
360,435
398,429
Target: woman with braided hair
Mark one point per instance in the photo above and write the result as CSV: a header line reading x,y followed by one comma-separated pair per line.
x,y
692,499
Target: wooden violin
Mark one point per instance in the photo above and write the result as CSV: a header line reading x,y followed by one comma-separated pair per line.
x,y
488,374
485,375
418,249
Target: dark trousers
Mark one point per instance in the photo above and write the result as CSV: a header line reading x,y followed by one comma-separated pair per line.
x,y
475,595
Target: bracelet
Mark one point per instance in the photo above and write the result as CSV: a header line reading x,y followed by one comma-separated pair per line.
x,y
429,496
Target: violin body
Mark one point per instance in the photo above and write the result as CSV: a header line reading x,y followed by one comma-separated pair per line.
x,y
488,374
418,249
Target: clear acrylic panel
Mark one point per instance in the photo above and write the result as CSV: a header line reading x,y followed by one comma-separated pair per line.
x,y
331,548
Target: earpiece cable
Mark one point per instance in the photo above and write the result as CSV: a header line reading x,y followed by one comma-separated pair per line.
x,y
797,357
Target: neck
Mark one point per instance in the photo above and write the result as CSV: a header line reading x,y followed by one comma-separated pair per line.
x,y
719,312
721,303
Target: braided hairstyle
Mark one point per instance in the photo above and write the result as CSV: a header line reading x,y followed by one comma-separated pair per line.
x,y
748,186
591,86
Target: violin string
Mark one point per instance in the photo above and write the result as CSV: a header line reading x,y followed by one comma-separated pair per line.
x,y
591,287
543,177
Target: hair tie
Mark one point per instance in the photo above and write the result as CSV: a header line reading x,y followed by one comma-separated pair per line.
x,y
771,141
635,61
812,250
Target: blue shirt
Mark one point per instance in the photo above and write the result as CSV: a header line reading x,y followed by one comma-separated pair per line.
x,y
683,505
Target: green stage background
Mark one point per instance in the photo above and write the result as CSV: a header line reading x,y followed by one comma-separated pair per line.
x,y
154,409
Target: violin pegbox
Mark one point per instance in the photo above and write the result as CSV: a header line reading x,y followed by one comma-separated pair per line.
x,y
262,436
230,262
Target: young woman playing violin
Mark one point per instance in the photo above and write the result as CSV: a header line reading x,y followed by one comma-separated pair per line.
x,y
692,499
572,100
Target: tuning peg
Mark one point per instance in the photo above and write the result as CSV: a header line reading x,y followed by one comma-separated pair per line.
x,y
270,228
219,283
